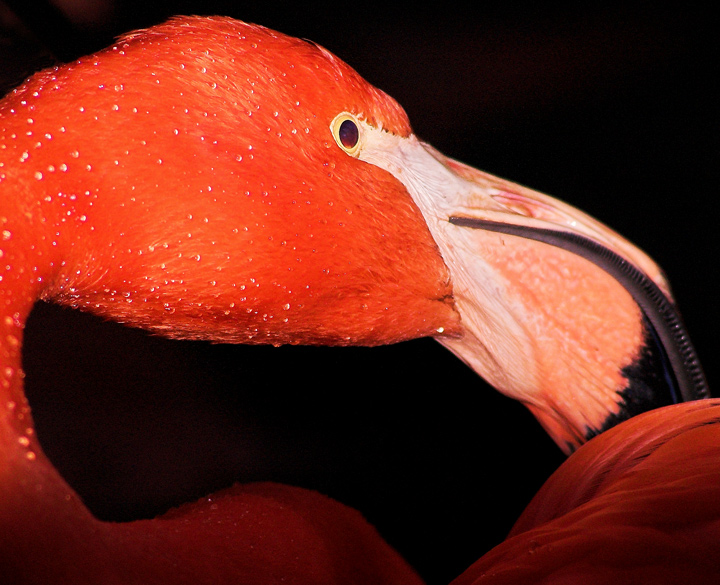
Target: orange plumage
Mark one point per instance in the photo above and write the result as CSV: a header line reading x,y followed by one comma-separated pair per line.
x,y
191,180
639,503
192,227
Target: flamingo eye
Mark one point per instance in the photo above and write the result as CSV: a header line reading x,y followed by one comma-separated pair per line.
x,y
346,132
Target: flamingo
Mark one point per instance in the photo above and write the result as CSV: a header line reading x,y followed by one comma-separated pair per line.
x,y
636,504
210,179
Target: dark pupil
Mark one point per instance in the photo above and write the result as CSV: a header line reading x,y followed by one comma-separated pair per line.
x,y
348,134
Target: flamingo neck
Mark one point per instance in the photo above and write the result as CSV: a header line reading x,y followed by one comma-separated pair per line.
x,y
22,281
36,504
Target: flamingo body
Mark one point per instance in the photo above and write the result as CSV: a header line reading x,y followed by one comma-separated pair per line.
x,y
257,533
639,503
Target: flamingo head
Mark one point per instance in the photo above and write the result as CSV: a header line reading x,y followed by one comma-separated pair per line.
x,y
212,179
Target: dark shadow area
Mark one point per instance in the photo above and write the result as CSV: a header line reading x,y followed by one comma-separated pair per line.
x,y
437,460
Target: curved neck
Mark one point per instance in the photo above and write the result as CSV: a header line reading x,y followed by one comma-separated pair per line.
x,y
36,504
22,278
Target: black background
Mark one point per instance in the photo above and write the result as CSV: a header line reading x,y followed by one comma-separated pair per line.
x,y
611,108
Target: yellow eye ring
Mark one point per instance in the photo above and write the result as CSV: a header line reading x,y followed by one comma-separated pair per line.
x,y
346,132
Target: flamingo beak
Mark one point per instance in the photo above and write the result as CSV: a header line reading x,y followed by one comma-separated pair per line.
x,y
559,311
